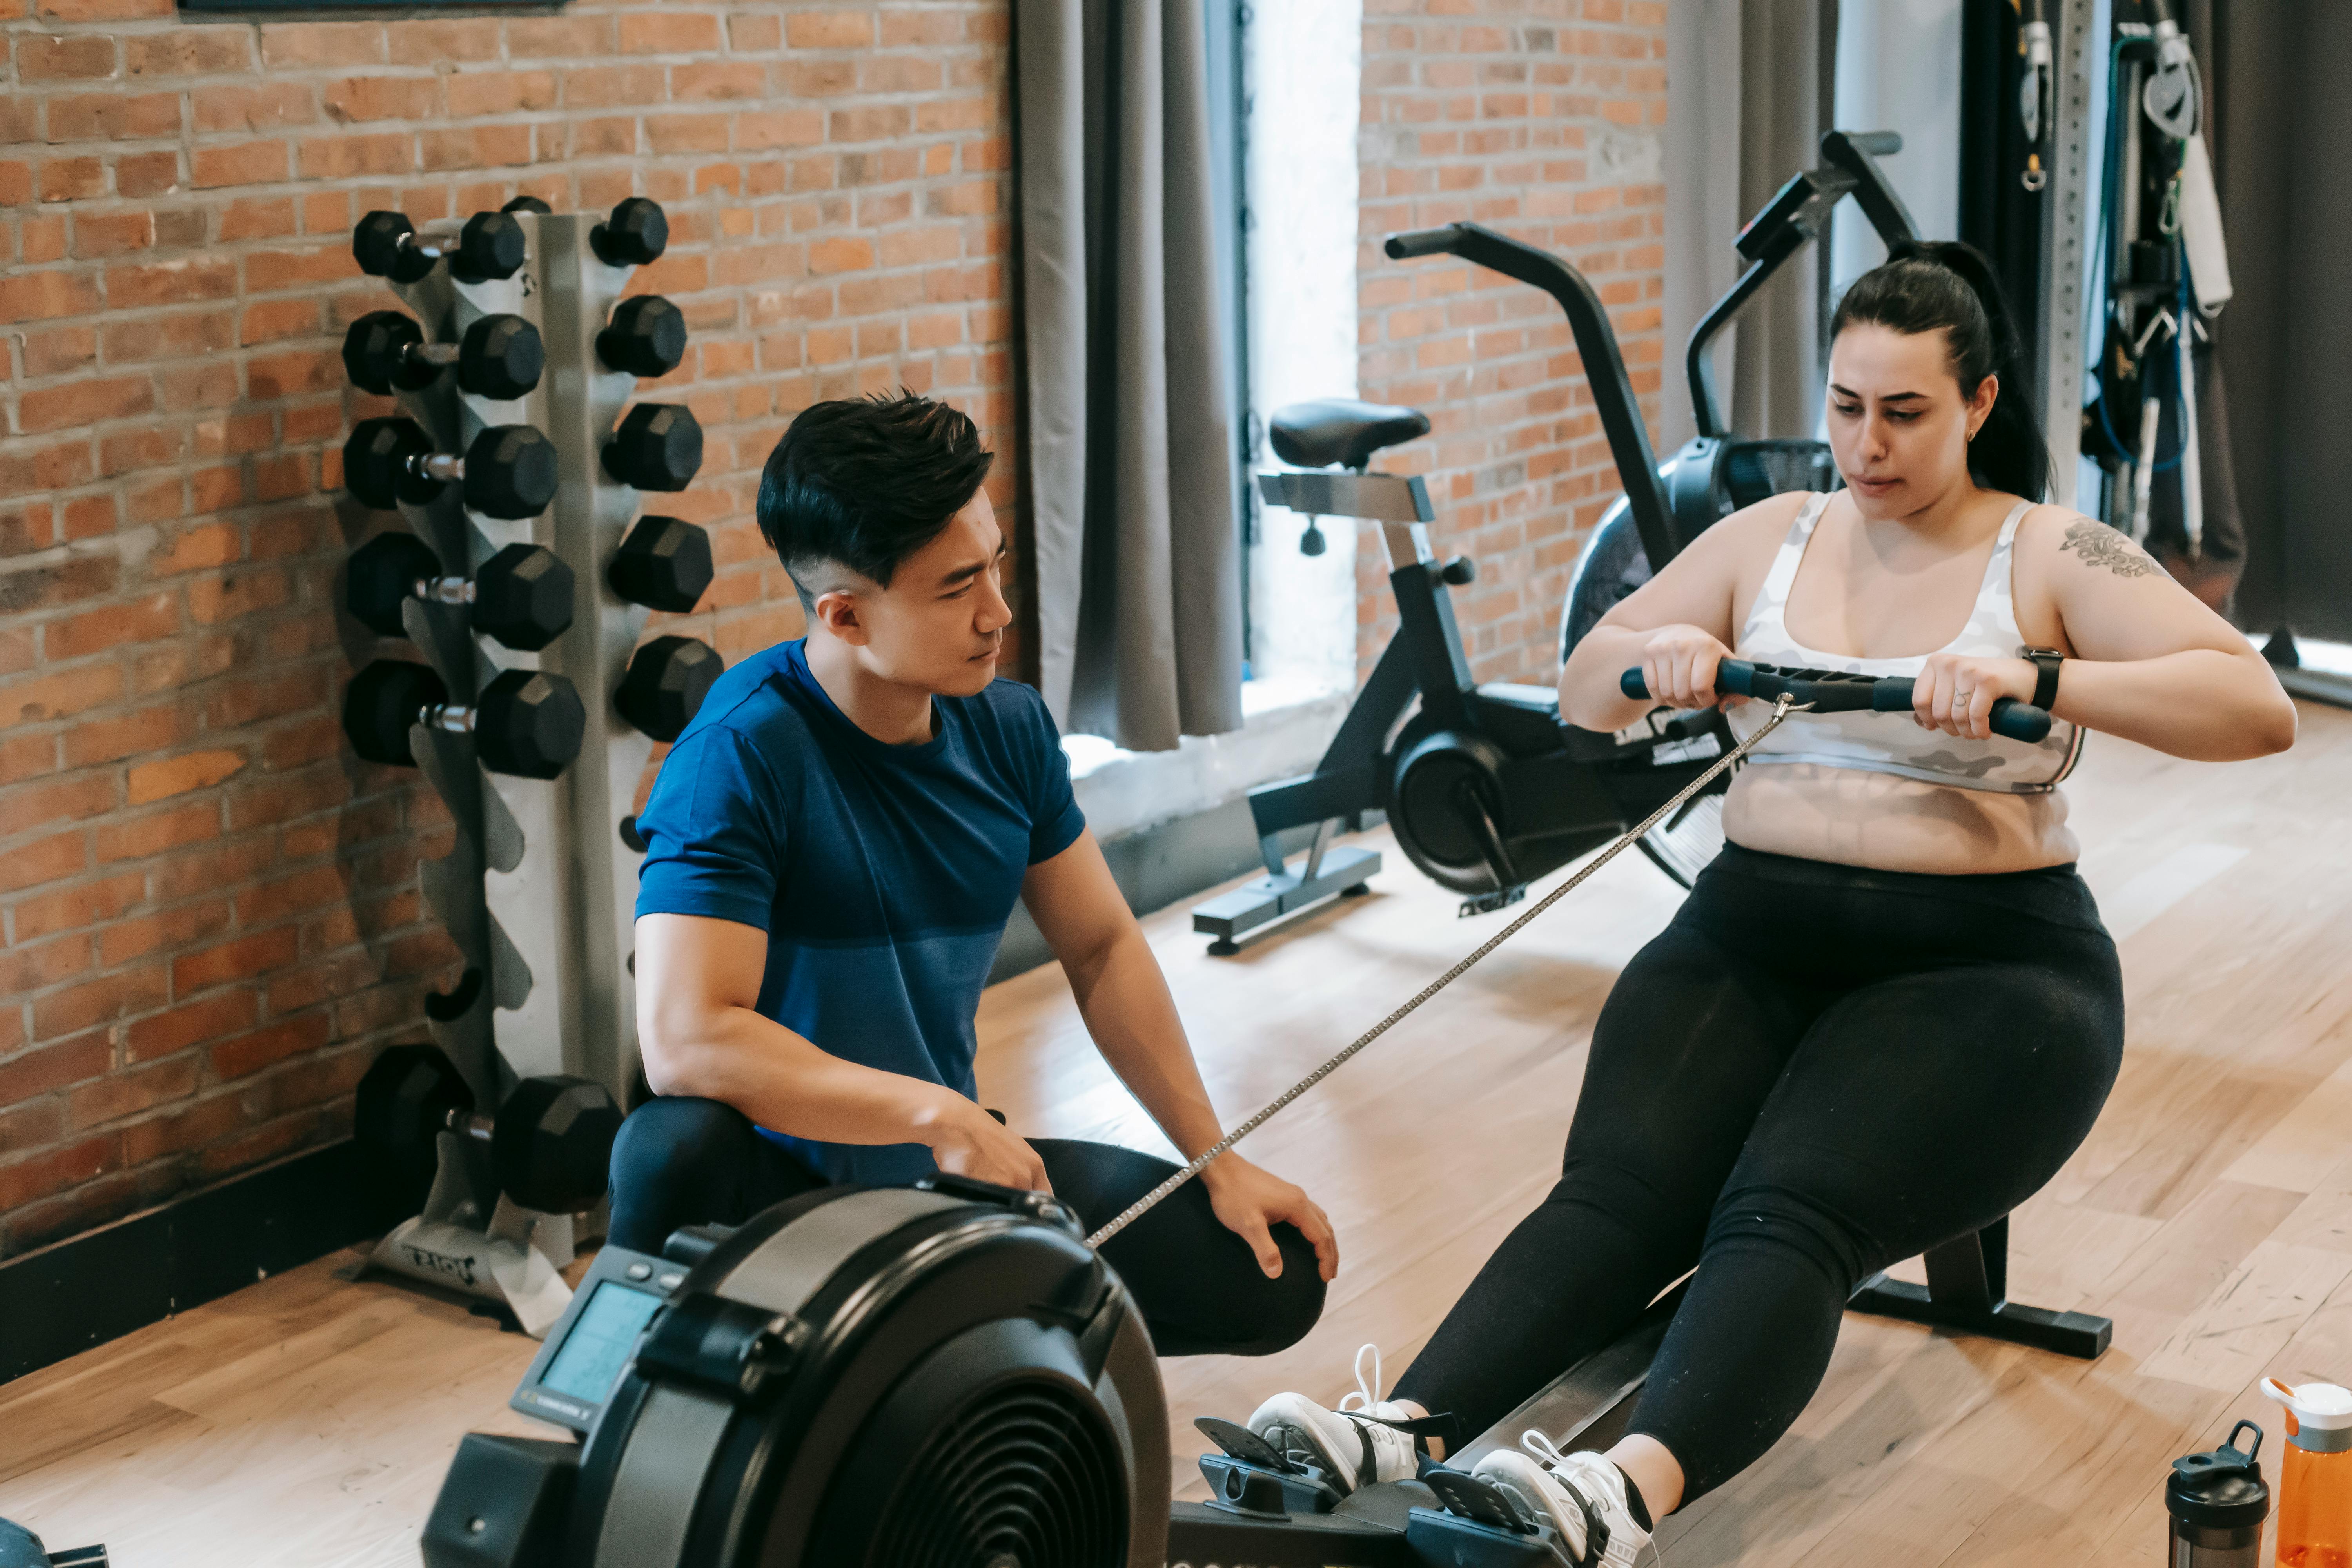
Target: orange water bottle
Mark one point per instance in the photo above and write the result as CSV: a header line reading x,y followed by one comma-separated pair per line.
x,y
2315,1508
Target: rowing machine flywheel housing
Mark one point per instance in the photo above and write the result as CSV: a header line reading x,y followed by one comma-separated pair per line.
x,y
941,1376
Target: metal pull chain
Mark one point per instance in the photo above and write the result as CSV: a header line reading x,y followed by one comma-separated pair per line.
x,y
1144,1204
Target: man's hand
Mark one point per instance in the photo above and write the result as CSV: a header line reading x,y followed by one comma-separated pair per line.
x,y
1249,1201
968,1142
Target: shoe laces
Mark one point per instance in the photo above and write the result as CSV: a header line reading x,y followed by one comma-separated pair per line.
x,y
1368,1390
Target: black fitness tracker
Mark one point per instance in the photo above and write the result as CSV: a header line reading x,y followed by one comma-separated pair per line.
x,y
2045,661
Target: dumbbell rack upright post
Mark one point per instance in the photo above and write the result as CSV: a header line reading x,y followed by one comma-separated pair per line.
x,y
582,400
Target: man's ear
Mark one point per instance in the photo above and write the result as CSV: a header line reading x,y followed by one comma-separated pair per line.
x,y
837,612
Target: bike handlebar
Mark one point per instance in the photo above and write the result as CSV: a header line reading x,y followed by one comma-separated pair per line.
x,y
1831,691
1422,242
1596,346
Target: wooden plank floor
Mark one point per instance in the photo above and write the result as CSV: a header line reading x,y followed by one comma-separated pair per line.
x,y
307,1419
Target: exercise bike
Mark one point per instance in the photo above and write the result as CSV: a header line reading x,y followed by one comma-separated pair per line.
x,y
1484,786
1717,471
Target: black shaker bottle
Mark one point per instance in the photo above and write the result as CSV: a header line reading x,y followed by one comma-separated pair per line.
x,y
2218,1501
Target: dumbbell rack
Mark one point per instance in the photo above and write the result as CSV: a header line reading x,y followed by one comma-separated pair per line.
x,y
539,891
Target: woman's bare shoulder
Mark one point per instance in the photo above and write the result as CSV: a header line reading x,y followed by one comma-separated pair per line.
x,y
2050,531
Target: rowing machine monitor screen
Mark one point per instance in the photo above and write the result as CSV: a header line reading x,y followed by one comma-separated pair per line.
x,y
584,1355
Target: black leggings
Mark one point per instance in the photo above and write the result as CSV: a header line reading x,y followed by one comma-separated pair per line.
x,y
1815,1071
681,1161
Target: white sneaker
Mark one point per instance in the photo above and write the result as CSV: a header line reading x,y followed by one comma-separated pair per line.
x,y
1352,1444
1582,1496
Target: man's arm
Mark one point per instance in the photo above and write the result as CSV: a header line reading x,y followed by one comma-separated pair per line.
x,y
1125,1000
700,1033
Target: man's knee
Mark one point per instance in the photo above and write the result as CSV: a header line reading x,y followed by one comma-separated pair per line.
x,y
1263,1315
674,1158
675,1137
1294,1303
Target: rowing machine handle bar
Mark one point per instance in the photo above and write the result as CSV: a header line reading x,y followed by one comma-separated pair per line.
x,y
1877,143
1887,694
1422,242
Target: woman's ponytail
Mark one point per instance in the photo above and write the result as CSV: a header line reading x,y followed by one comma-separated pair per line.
x,y
1944,286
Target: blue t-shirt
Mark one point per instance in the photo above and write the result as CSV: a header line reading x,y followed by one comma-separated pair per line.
x,y
883,874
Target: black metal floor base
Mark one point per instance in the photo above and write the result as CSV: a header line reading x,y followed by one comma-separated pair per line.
x,y
1254,905
2318,685
1968,1292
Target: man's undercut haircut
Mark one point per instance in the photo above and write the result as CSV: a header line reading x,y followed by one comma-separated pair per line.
x,y
863,483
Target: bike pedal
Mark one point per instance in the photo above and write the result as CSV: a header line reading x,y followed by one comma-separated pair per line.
x,y
1488,903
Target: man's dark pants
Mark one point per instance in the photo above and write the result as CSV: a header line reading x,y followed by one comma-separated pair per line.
x,y
681,1161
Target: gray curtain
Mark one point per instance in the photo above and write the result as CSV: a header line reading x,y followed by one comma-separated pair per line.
x,y
2281,121
1702,184
1129,425
1788,93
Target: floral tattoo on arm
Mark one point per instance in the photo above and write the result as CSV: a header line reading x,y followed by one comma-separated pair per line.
x,y
2100,545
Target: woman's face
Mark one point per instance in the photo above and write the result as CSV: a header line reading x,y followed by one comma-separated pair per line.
x,y
1898,425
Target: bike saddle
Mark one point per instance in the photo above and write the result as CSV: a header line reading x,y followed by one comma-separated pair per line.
x,y
1327,430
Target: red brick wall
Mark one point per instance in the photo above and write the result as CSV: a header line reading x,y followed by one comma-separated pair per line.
x,y
211,909
1525,115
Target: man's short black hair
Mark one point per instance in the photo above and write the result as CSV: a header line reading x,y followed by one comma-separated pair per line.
x,y
865,482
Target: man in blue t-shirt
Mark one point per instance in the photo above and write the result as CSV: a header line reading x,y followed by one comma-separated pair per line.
x,y
833,847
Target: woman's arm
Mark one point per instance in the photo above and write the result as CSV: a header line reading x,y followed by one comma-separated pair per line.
x,y
1676,626
2152,664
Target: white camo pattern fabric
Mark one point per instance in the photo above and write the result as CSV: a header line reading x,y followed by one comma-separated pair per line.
x,y
1888,742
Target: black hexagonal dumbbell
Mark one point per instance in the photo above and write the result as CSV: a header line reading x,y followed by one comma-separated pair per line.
x,y
646,338
489,246
526,723
527,204
635,235
522,596
663,564
501,356
508,470
551,1141
658,446
665,685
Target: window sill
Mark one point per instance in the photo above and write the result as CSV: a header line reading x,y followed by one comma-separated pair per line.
x,y
1285,725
